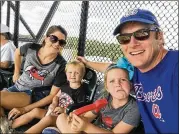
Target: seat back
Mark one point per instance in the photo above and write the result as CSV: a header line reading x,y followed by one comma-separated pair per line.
x,y
3,82
90,78
5,78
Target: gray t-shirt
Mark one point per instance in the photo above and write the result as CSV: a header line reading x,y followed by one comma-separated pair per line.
x,y
36,74
109,117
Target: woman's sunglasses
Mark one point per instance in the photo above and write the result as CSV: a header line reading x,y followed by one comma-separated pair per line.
x,y
54,39
142,34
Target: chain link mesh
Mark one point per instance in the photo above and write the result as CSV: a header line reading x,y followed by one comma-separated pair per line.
x,y
103,17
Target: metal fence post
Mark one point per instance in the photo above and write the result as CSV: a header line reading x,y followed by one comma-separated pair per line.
x,y
83,28
24,23
16,23
8,14
47,21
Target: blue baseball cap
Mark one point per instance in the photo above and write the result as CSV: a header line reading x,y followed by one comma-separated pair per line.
x,y
138,15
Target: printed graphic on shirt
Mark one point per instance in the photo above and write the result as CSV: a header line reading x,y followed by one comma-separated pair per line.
x,y
65,100
34,73
150,97
107,122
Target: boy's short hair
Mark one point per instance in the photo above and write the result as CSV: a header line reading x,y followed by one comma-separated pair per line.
x,y
76,63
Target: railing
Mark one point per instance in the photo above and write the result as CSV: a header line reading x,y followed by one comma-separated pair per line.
x,y
90,24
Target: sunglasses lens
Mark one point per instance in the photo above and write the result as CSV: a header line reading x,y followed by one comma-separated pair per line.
x,y
124,39
53,39
62,42
142,34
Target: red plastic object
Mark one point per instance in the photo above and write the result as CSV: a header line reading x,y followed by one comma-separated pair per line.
x,y
97,105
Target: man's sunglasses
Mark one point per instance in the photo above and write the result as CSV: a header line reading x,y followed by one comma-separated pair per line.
x,y
54,39
142,34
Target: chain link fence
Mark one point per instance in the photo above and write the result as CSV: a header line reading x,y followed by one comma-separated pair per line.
x,y
103,17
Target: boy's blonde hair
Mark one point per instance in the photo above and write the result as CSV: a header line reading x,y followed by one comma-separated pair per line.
x,y
76,63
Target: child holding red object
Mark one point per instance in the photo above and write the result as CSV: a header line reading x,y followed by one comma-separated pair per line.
x,y
120,115
73,92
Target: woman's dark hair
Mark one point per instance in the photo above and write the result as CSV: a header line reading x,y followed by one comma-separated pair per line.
x,y
54,28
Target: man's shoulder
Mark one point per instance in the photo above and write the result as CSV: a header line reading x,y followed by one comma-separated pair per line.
x,y
173,52
171,57
34,46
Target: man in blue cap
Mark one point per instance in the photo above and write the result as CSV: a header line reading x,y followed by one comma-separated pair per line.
x,y
155,70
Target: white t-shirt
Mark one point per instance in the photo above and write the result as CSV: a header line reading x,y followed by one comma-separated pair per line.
x,y
7,52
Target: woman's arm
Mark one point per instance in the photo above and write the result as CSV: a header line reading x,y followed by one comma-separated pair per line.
x,y
15,112
54,103
17,65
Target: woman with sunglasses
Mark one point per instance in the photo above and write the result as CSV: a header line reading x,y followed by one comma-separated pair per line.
x,y
44,67
156,70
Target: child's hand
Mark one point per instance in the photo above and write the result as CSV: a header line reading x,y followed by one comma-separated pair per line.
x,y
55,101
58,110
78,124
15,112
69,118
52,107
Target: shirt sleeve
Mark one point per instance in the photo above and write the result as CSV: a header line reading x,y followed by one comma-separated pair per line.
x,y
24,48
6,54
60,78
132,116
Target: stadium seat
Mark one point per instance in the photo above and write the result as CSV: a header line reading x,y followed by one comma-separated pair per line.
x,y
90,79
